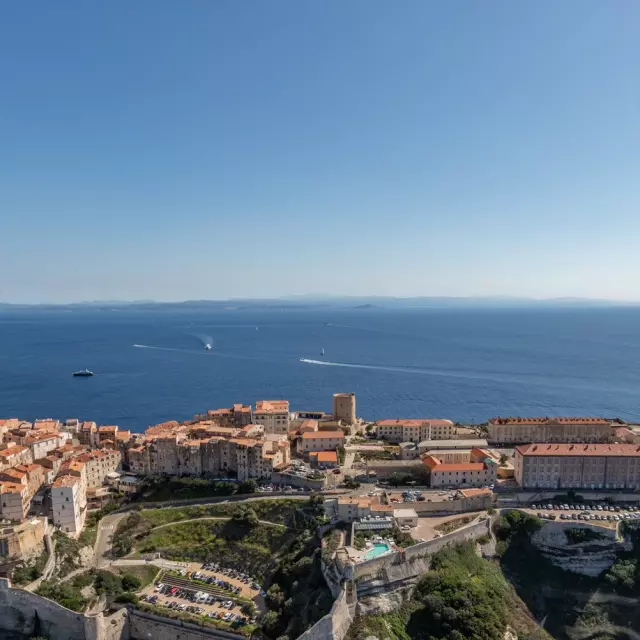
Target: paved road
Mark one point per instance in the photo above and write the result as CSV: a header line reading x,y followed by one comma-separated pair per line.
x,y
102,547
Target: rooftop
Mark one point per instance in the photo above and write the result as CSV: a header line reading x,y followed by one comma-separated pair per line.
x,y
311,435
472,493
516,420
326,456
604,450
413,422
272,406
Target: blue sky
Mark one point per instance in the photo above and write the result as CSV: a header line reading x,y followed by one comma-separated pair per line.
x,y
179,150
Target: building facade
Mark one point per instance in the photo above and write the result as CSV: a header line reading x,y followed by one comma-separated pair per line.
x,y
578,466
273,415
320,441
479,469
515,430
415,430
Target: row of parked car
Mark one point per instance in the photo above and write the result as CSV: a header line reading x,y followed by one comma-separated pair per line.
x,y
587,507
198,598
232,573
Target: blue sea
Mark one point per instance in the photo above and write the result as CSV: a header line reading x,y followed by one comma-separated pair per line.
x,y
467,365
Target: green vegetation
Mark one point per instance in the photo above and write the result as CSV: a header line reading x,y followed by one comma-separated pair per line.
x,y
185,488
28,572
516,524
386,454
398,479
248,486
144,573
341,453
581,535
68,593
297,596
463,597
351,483
68,556
240,542
330,543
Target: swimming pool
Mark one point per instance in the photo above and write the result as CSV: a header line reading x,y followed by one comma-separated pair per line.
x,y
378,549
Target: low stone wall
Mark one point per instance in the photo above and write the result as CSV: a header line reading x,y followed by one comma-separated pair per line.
x,y
147,626
461,505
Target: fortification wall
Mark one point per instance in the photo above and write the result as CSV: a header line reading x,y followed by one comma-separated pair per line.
x,y
33,615
430,547
143,626
336,623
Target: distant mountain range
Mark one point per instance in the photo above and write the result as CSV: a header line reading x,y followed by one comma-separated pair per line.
x,y
362,303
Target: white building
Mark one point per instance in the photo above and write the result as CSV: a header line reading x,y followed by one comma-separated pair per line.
x,y
415,430
69,499
320,441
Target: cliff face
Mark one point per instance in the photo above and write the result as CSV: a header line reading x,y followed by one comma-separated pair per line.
x,y
588,553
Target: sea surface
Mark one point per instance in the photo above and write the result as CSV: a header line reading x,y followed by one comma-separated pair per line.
x,y
466,365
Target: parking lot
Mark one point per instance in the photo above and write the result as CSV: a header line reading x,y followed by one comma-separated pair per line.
x,y
603,514
206,590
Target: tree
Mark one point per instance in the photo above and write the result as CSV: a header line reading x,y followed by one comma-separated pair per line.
x,y
130,582
351,483
249,609
122,544
275,597
248,486
504,458
341,453
246,516
270,620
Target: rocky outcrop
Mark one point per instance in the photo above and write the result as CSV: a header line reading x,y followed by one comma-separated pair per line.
x,y
589,558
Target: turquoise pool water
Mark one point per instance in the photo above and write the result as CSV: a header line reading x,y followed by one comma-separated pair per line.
x,y
378,549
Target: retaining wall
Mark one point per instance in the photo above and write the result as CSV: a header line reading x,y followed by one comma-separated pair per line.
x,y
147,626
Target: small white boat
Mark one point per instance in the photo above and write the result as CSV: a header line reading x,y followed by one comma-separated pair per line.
x,y
207,347
321,352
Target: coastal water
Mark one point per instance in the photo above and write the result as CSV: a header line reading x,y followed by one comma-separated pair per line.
x,y
467,365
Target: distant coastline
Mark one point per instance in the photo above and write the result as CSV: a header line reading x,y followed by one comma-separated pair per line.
x,y
360,303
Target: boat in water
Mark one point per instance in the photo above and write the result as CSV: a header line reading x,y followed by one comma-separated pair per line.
x,y
207,347
321,352
83,374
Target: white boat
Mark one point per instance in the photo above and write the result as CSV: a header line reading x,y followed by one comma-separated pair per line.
x,y
321,352
207,347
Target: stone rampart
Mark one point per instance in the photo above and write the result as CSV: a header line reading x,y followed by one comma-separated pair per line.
x,y
148,626
335,625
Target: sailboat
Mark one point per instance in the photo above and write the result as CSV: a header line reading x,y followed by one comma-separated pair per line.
x,y
321,352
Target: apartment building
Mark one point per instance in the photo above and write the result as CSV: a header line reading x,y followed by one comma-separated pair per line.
x,y
69,498
415,430
98,464
578,466
41,444
107,432
88,434
320,441
273,415
480,469
515,430
14,454
50,466
15,501
163,454
47,424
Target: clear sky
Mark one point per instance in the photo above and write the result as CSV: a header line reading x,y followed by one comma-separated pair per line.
x,y
156,149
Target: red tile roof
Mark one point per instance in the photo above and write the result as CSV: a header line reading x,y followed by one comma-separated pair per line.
x,y
516,420
604,450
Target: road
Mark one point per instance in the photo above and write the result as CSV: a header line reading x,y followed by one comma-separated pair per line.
x,y
102,548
